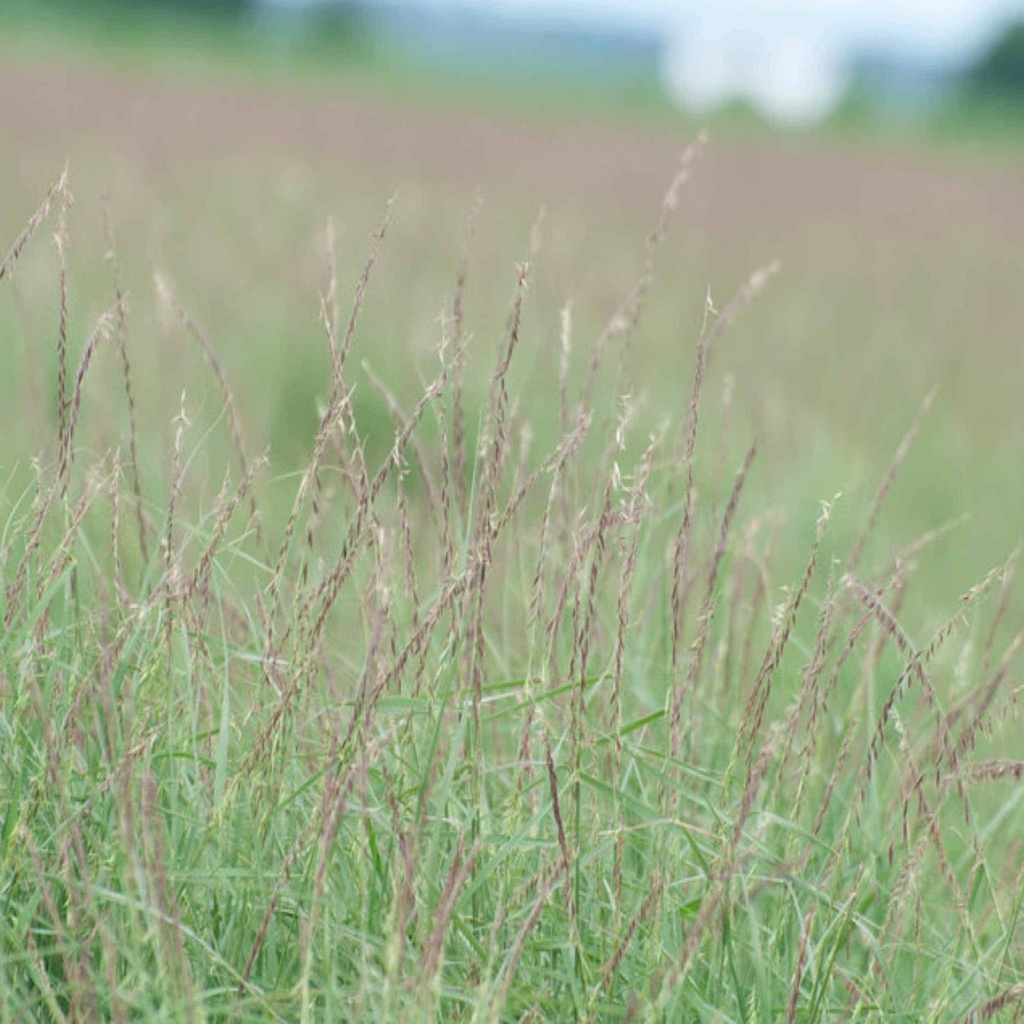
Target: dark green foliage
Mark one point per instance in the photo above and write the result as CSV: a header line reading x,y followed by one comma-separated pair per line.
x,y
338,27
118,9
999,73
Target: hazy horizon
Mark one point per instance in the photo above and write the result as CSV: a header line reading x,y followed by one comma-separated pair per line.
x,y
941,30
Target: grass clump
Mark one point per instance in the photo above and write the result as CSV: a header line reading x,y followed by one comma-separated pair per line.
x,y
469,732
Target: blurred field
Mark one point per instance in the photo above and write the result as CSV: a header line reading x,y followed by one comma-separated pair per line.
x,y
899,272
377,761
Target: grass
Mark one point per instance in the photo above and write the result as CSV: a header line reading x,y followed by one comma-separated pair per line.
x,y
490,706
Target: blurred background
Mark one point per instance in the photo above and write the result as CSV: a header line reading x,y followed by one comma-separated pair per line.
x,y
876,149
788,62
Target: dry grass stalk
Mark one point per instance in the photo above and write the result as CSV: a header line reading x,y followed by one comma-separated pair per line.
x,y
798,971
636,503
64,942
556,811
446,499
409,557
751,288
339,352
445,602
121,337
677,971
197,590
821,702
61,242
564,364
325,595
62,551
584,633
993,770
338,416
915,668
626,319
341,777
762,587
311,630
1005,593
297,848
372,680
430,963
556,463
168,297
548,879
330,310
103,329
402,914
459,461
711,331
681,546
59,187
986,1011
834,777
114,494
930,838
647,908
401,418
753,717
493,452
171,566
725,433
159,895
807,702
330,422
898,459
707,610
753,784
45,495
978,703
567,450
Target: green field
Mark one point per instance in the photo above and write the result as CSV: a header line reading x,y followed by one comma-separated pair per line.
x,y
422,608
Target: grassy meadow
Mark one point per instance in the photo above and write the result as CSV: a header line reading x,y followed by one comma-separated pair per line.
x,y
460,567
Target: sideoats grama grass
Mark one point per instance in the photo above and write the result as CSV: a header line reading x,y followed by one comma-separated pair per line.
x,y
488,727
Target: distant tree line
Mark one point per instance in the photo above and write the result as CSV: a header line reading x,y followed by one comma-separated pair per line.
x,y
330,18
999,73
327,27
112,9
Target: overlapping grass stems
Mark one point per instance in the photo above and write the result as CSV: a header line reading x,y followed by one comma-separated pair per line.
x,y
482,735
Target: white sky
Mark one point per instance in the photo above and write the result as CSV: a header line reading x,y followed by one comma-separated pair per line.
x,y
940,28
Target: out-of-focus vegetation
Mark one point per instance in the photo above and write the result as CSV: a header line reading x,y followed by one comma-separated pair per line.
x,y
332,23
999,73
116,9
419,637
478,62
329,693
347,46
232,31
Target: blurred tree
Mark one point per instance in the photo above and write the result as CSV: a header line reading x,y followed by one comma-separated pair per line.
x,y
999,72
335,26
219,10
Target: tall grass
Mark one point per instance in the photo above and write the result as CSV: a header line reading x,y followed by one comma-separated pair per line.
x,y
481,732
